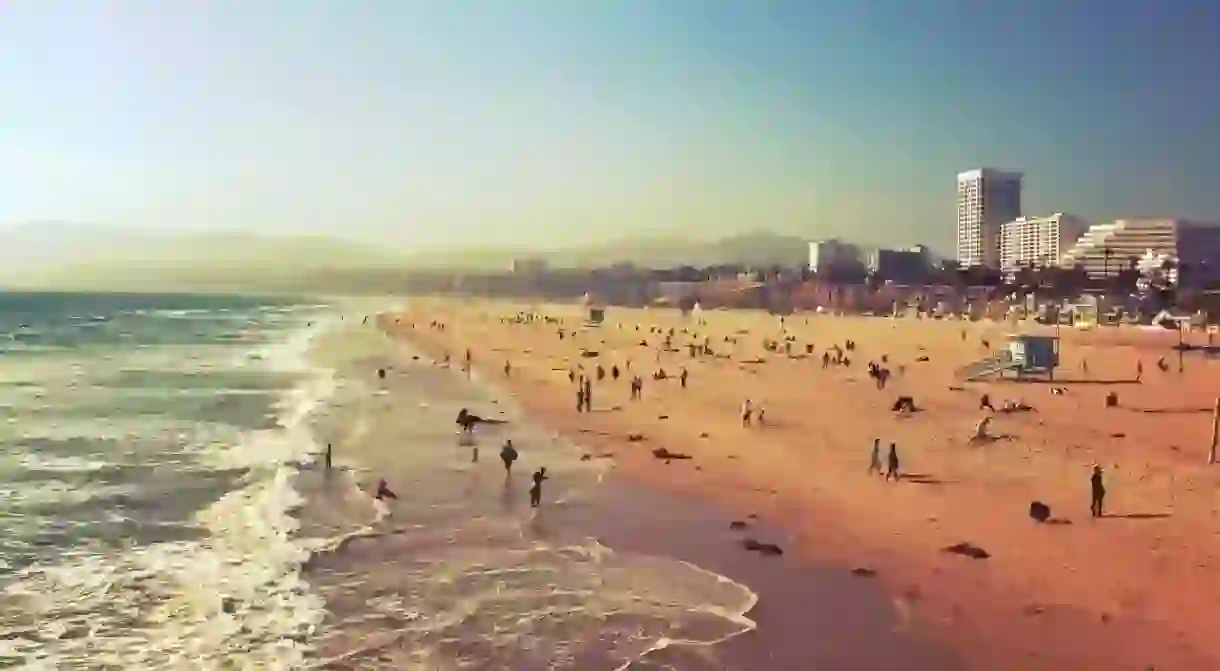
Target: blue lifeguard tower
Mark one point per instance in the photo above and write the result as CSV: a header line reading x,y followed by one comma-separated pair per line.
x,y
1023,356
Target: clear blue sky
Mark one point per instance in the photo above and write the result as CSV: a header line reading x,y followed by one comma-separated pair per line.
x,y
561,121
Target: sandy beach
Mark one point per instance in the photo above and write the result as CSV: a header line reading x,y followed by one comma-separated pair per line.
x,y
460,572
1134,589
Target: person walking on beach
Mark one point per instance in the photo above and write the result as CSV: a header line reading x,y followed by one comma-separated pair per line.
x,y
614,371
1097,506
891,470
536,488
588,395
683,377
508,368
328,456
747,410
508,454
874,461
580,398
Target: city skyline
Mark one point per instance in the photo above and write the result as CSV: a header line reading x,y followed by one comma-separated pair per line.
x,y
547,123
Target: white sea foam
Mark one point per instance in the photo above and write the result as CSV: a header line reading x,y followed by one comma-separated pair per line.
x,y
234,600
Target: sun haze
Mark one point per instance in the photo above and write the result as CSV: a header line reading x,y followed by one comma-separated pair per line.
x,y
426,124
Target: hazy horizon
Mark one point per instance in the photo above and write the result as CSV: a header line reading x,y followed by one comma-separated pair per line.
x,y
556,124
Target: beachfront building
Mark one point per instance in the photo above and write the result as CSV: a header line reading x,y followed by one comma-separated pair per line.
x,y
1106,249
986,200
903,266
1038,241
528,266
832,256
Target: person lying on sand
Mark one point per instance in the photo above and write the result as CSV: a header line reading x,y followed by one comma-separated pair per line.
x,y
467,420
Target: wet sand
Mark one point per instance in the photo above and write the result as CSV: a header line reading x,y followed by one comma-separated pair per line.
x,y
808,616
1083,594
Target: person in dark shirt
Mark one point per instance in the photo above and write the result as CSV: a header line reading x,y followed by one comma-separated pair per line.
x,y
508,454
1097,506
536,488
891,470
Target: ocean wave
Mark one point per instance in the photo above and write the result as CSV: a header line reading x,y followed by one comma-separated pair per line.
x,y
443,602
464,576
232,600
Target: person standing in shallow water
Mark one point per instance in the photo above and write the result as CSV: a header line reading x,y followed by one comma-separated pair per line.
x,y
1097,505
536,488
328,456
508,454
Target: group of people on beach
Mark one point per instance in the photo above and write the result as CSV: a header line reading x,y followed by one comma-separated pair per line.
x,y
508,455
891,461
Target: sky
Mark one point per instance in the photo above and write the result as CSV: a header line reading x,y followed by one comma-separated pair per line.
x,y
418,123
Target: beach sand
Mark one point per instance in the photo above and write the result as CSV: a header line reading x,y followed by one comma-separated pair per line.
x,y
461,573
1135,589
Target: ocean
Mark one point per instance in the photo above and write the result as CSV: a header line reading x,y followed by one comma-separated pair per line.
x,y
147,451
165,508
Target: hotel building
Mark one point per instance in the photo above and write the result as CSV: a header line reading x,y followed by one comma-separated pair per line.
x,y
1038,241
1106,249
986,199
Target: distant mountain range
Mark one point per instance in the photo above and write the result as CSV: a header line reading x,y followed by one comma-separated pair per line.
x,y
753,249
54,254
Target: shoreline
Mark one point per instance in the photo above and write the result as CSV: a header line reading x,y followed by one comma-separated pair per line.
x,y
807,615
994,618
852,623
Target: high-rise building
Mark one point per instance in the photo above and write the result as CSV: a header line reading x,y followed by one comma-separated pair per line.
x,y
986,199
1038,241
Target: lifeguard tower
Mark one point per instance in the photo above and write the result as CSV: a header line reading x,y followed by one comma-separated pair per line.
x,y
595,311
1023,357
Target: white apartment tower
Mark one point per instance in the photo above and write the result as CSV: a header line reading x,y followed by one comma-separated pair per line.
x,y
1038,241
986,200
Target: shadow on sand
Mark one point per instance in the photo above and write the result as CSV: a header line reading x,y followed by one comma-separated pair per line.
x,y
1171,411
1137,516
924,479
1069,380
